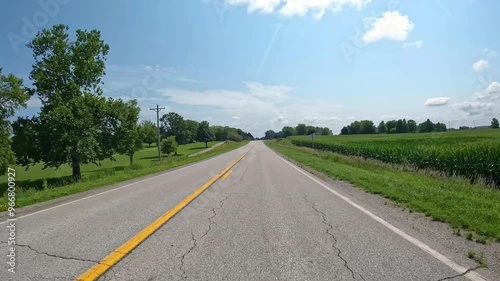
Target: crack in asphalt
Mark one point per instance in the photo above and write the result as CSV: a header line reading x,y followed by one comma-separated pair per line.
x,y
110,269
334,244
193,238
461,274
52,255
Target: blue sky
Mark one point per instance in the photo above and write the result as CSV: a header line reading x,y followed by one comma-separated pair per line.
x,y
260,64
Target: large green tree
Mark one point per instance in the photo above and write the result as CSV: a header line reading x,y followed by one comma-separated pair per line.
x,y
203,133
173,124
426,127
269,134
192,127
367,127
301,129
412,126
127,135
73,126
149,132
288,131
12,97
494,123
382,129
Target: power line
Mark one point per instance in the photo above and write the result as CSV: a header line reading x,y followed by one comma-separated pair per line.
x,y
157,109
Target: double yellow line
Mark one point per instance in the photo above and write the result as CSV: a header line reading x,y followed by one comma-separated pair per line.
x,y
110,260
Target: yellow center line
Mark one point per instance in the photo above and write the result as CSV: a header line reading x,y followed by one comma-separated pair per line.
x,y
224,177
110,260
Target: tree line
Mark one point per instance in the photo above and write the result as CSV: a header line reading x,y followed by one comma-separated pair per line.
x,y
76,124
400,126
299,130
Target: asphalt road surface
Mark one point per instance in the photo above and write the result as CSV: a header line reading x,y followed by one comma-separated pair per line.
x,y
267,220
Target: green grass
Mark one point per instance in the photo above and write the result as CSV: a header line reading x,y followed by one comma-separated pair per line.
x,y
474,154
30,184
472,207
143,157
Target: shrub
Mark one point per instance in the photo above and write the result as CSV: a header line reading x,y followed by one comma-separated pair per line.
x,y
169,145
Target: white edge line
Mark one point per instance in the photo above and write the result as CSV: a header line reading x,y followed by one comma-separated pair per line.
x,y
474,276
114,189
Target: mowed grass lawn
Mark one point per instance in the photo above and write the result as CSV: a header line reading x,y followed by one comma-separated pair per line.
x,y
143,157
32,190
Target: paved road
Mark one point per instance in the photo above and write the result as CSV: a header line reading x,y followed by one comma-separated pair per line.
x,y
266,221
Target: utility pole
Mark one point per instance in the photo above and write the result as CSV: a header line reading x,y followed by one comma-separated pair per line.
x,y
157,109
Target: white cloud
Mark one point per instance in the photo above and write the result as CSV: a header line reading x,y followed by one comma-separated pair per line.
x,y
437,101
474,107
266,106
480,65
298,7
490,52
414,44
264,6
491,93
392,26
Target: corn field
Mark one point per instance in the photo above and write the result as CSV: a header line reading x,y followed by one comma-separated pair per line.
x,y
474,154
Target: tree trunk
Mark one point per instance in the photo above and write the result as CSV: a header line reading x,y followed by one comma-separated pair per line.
x,y
131,158
206,144
77,175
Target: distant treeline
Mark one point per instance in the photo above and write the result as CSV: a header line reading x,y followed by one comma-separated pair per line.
x,y
400,126
299,130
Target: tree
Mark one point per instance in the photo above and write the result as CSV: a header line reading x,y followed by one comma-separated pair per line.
x,y
149,132
344,131
269,134
325,131
366,127
219,133
169,145
426,127
405,126
301,129
391,125
73,126
203,133
12,97
288,131
127,134
25,141
310,130
234,136
400,126
173,124
412,126
192,127
494,123
439,127
381,128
